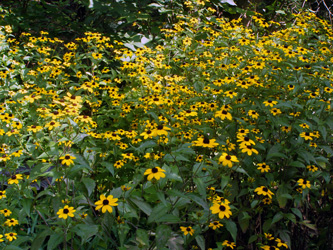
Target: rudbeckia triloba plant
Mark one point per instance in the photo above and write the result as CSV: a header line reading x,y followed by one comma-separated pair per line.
x,y
160,146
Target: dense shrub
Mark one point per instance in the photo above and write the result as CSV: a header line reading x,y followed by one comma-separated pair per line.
x,y
219,138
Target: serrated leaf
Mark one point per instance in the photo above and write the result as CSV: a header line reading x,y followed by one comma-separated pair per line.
x,y
89,184
163,233
232,229
200,241
144,206
168,218
109,167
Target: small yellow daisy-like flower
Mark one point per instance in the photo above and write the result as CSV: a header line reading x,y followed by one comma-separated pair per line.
x,y
11,236
215,225
14,179
229,244
5,212
66,212
205,142
52,124
1,236
35,128
304,183
2,194
264,191
227,160
263,167
67,159
106,203
155,172
187,230
11,222
221,208
270,103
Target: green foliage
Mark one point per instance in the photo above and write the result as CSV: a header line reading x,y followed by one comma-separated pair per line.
x,y
219,137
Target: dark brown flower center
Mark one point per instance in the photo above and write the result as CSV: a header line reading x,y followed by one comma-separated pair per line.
x,y
66,211
265,189
67,157
14,177
154,170
105,202
222,208
228,157
206,141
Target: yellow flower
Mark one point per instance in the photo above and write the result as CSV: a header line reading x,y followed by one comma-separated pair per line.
x,y
227,160
106,203
264,191
2,194
1,236
304,183
11,236
215,225
67,159
11,222
306,135
66,211
155,172
5,212
34,128
221,208
15,179
205,142
52,124
263,167
160,130
230,244
270,103
187,230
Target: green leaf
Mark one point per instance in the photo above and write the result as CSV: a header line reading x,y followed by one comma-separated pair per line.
x,y
224,181
243,221
168,218
108,166
85,231
267,225
200,186
297,212
163,233
54,241
282,196
277,217
39,239
26,203
198,200
158,212
144,206
89,184
142,237
200,241
232,229
253,238
291,217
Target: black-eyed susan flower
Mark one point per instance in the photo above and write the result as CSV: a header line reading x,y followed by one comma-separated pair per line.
x,y
34,128
269,247
155,172
306,135
275,111
286,129
2,194
106,203
312,168
67,159
6,212
227,160
270,103
304,183
14,179
253,114
263,167
11,236
187,230
160,130
66,212
248,149
52,124
205,142
280,243
11,222
221,208
264,191
229,244
215,225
